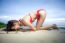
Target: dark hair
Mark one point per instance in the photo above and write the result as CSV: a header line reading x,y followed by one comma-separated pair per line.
x,y
10,24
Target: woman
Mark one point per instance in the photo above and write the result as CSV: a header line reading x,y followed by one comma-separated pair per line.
x,y
38,15
27,20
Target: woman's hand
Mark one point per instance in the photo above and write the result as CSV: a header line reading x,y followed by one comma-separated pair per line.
x,y
33,29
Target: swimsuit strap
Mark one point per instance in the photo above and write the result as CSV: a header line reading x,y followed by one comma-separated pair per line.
x,y
30,18
31,22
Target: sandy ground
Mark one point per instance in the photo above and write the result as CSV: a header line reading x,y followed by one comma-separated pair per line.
x,y
41,36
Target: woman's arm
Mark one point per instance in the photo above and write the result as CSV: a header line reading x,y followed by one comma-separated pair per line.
x,y
29,24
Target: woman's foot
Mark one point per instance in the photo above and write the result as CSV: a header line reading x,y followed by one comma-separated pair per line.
x,y
54,26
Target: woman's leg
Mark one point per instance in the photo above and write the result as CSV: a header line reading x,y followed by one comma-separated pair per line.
x,y
40,21
49,27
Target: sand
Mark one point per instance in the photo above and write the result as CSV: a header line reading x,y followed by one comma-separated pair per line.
x,y
41,36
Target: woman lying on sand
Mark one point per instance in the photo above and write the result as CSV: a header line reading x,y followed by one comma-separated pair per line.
x,y
27,20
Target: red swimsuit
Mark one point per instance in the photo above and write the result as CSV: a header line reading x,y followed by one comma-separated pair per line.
x,y
37,16
31,20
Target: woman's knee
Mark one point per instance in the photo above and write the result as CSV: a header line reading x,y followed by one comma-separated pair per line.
x,y
43,13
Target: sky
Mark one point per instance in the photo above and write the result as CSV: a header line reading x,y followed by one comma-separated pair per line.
x,y
16,9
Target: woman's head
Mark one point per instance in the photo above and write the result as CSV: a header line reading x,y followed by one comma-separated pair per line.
x,y
12,25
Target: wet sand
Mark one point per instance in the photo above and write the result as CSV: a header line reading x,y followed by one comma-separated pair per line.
x,y
41,36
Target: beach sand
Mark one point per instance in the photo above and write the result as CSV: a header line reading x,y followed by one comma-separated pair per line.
x,y
40,36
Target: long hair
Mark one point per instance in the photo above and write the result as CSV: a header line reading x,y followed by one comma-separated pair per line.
x,y
10,24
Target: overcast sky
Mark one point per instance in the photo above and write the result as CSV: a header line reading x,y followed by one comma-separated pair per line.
x,y
15,9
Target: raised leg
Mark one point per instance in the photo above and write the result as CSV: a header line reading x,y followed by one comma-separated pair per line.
x,y
40,20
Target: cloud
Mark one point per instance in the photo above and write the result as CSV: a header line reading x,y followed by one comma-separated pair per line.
x,y
18,17
10,17
55,19
4,16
